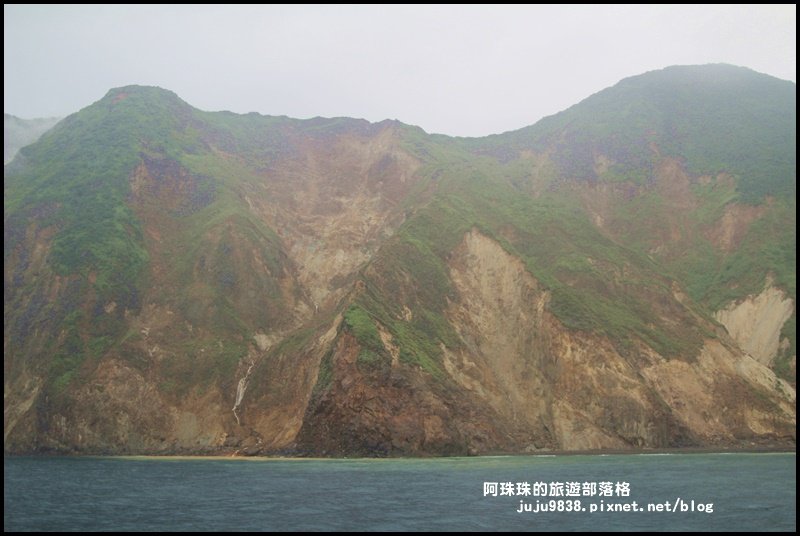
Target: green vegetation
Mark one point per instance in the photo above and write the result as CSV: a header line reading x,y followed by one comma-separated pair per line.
x,y
715,117
596,284
79,173
68,359
325,374
373,354
78,181
75,351
219,266
363,328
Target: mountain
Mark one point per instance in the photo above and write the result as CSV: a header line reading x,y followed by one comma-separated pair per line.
x,y
619,275
18,133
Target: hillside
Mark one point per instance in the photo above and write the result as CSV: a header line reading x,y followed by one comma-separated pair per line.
x,y
619,275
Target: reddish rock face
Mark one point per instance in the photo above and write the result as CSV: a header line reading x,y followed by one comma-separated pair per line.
x,y
335,287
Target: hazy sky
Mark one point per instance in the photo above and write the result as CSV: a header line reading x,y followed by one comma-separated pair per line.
x,y
456,70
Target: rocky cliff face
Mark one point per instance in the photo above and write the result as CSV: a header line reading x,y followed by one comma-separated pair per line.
x,y
755,323
179,281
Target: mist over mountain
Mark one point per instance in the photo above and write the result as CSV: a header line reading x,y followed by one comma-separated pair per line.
x,y
619,275
18,133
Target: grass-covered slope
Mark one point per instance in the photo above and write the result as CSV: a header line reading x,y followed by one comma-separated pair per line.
x,y
717,118
720,219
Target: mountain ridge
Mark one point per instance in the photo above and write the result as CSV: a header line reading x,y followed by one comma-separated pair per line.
x,y
349,287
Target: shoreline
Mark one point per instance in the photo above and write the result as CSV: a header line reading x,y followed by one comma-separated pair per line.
x,y
776,449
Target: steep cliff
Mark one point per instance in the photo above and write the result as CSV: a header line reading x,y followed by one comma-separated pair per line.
x,y
184,281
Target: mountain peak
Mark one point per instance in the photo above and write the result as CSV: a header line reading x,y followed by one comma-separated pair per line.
x,y
708,77
679,111
152,92
145,99
185,281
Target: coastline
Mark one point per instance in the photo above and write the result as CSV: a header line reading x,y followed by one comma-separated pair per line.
x,y
743,449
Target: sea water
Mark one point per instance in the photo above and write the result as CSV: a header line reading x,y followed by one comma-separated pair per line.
x,y
738,492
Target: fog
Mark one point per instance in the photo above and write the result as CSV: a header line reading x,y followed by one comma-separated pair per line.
x,y
466,71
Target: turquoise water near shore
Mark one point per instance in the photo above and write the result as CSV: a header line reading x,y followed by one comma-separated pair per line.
x,y
736,492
